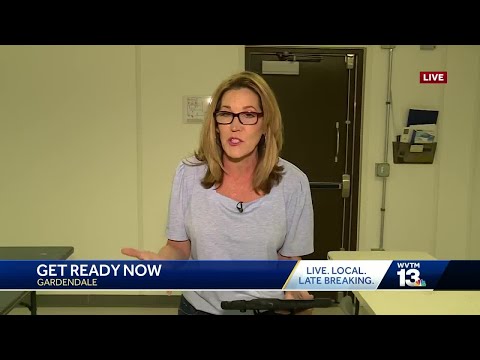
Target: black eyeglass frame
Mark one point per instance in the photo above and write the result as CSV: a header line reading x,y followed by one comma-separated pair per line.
x,y
236,115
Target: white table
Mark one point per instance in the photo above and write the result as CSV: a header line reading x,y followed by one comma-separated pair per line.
x,y
409,302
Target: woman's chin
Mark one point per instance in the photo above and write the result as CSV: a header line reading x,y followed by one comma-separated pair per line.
x,y
236,156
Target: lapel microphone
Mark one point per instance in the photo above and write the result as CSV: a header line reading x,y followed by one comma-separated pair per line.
x,y
240,207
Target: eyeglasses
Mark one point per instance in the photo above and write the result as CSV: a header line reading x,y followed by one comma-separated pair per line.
x,y
245,118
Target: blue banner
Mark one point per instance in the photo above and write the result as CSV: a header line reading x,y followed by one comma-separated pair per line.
x,y
143,275
309,275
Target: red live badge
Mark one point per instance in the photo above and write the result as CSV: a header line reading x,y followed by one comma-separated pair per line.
x,y
433,77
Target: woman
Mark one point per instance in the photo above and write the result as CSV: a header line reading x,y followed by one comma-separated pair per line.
x,y
236,199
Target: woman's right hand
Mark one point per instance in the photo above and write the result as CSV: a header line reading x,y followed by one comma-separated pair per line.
x,y
141,254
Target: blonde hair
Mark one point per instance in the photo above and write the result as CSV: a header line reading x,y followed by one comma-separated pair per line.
x,y
267,172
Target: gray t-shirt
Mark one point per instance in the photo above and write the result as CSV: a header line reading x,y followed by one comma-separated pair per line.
x,y
279,222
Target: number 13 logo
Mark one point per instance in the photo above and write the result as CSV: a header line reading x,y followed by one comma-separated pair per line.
x,y
412,274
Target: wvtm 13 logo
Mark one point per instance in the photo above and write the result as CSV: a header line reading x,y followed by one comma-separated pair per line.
x,y
409,274
433,77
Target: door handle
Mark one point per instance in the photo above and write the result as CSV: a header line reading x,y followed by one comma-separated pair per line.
x,y
337,126
324,185
345,185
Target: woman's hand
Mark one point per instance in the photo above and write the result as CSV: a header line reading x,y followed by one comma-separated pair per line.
x,y
141,255
300,295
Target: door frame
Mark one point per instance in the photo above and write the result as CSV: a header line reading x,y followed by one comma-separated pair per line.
x,y
351,218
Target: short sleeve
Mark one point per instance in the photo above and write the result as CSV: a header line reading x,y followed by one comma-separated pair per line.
x,y
299,239
177,205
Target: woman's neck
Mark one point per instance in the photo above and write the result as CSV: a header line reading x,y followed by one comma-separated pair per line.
x,y
243,168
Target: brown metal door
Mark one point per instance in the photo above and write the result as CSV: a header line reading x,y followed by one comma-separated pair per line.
x,y
319,93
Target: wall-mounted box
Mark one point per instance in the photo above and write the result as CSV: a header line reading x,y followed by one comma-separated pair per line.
x,y
414,153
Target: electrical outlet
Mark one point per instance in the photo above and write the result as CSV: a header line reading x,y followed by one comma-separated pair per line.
x,y
382,169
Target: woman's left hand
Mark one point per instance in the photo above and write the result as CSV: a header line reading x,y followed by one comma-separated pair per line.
x,y
300,295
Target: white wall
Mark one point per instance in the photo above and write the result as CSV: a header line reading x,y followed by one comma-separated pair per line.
x,y
410,219
458,159
473,246
428,207
90,137
68,148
